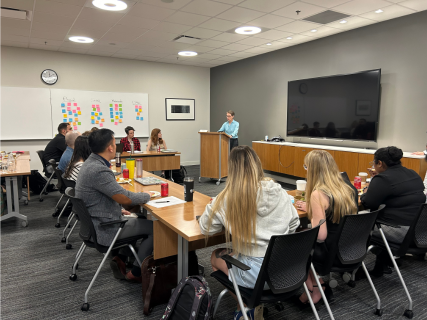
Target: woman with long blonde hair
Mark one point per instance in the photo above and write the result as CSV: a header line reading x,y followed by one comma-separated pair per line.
x,y
329,197
252,208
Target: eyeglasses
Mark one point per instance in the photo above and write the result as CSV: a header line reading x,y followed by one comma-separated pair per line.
x,y
372,163
305,167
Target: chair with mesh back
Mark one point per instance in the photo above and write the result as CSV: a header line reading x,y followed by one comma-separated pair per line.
x,y
49,175
69,184
88,235
285,277
414,242
61,187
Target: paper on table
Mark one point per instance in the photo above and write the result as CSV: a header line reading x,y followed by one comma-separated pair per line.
x,y
158,202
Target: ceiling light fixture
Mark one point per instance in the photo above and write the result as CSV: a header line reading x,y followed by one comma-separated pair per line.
x,y
289,38
268,44
81,39
248,30
379,11
314,30
187,53
343,21
110,5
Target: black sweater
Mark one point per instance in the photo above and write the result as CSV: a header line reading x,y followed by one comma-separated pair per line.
x,y
55,148
401,190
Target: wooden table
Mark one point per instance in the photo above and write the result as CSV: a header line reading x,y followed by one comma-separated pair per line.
x,y
156,161
22,169
176,230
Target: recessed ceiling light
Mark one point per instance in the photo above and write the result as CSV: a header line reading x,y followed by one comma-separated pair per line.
x,y
248,30
314,30
343,21
268,44
289,38
81,39
187,53
379,11
110,5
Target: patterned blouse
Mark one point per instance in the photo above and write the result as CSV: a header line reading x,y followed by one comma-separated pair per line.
x,y
126,144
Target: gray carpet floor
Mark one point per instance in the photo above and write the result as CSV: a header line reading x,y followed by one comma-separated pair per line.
x,y
35,267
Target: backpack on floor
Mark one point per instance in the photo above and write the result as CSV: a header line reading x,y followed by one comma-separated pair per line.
x,y
191,300
37,182
178,175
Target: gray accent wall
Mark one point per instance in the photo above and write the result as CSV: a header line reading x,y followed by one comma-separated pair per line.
x,y
256,88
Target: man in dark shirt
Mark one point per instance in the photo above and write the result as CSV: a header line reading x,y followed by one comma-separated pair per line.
x,y
56,147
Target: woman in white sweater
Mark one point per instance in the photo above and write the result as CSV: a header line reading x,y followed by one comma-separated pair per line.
x,y
252,208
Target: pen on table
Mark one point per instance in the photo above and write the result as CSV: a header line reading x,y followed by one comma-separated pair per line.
x,y
161,201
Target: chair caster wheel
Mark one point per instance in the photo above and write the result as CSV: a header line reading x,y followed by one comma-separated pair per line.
x,y
279,307
85,307
378,312
24,223
218,183
68,246
352,284
73,277
408,314
77,266
41,200
57,225
26,202
333,283
63,239
346,277
265,312
56,213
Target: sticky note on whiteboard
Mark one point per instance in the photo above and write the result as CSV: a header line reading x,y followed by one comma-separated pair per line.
x,y
64,120
120,120
101,124
65,115
141,118
75,127
78,108
79,123
79,112
69,104
137,118
97,122
62,104
68,108
115,123
75,104
116,105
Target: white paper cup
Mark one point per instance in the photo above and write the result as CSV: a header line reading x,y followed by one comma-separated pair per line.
x,y
363,175
301,185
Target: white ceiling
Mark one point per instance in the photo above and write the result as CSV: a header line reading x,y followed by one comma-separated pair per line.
x,y
144,31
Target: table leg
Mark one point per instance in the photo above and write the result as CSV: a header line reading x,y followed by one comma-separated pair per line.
x,y
182,258
13,207
28,188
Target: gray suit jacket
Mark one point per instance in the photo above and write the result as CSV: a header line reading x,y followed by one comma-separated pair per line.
x,y
96,185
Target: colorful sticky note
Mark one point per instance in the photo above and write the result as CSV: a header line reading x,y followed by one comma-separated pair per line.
x,y
62,104
75,127
92,117
97,122
79,123
76,119
120,109
63,111
140,110
111,105
141,118
112,120
99,118
117,117
100,113
74,111
75,114
103,120
137,118
70,113
138,114
64,120
111,109
79,112
136,109
121,117
115,123
74,123
93,106
116,108
97,105
96,113
78,108
111,115
120,120
120,105
121,112
93,109
68,108
70,120
75,104
116,105
69,104
65,115
92,121
92,113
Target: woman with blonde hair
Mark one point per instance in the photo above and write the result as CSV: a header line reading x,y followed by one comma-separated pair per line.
x,y
156,141
329,197
252,208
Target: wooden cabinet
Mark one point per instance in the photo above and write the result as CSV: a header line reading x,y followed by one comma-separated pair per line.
x,y
268,154
300,154
364,160
348,162
411,163
287,160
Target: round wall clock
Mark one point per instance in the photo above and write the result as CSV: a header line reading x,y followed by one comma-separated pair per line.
x,y
49,77
303,88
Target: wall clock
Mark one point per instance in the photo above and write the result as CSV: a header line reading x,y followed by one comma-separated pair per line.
x,y
49,77
303,88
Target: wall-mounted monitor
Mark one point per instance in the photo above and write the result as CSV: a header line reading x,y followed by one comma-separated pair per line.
x,y
336,107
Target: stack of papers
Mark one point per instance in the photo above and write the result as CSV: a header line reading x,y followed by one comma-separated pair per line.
x,y
165,202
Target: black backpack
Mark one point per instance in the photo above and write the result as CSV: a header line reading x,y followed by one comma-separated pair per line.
x,y
37,183
191,299
178,175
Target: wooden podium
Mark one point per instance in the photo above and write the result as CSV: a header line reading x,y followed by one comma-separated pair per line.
x,y
214,151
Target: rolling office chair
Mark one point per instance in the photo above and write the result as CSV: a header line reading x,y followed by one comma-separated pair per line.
x,y
46,170
88,235
69,184
415,242
285,277
61,187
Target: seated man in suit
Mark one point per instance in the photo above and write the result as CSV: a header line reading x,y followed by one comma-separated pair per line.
x,y
103,197
56,147
70,138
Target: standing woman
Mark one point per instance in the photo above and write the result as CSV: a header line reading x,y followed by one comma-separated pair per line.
x,y
156,141
130,136
231,128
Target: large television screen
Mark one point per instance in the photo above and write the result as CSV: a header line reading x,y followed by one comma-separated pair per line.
x,y
336,107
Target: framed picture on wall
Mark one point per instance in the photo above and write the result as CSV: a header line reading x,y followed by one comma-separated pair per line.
x,y
180,109
363,108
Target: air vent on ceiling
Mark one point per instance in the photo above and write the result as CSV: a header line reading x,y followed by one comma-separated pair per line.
x,y
15,13
326,17
187,39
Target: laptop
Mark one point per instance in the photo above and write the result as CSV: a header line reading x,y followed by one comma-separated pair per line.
x,y
119,147
148,181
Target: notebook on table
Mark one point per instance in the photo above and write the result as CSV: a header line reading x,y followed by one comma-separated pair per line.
x,y
148,181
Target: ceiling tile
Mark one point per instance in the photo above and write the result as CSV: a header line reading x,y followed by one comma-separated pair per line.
x,y
275,45
237,47
206,8
159,35
252,41
47,27
15,32
104,48
75,45
171,27
95,15
273,35
124,56
305,8
99,53
90,24
297,38
188,19
144,58
57,8
202,33
232,2
415,4
228,58
81,32
150,12
72,2
265,5
53,19
222,52
14,38
257,50
298,26
390,12
117,44
322,31
44,47
153,54
175,5
199,49
209,56
120,28
48,35
352,23
241,54
113,37
395,1
72,50
238,14
130,51
212,43
219,24
229,37
357,7
137,22
15,23
14,44
270,21
18,4
41,42
326,3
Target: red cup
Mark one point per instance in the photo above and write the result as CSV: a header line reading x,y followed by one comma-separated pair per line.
x,y
358,182
164,189
126,174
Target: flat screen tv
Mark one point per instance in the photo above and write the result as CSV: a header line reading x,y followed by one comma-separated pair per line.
x,y
337,107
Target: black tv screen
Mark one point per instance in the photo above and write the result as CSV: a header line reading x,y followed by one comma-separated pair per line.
x,y
336,107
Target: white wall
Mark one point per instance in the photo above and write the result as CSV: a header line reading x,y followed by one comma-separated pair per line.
x,y
22,68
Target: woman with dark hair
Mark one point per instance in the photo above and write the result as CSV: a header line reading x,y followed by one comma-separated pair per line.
x,y
130,137
156,141
331,131
80,154
401,190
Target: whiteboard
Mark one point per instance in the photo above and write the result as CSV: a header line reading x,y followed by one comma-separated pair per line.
x,y
112,110
25,113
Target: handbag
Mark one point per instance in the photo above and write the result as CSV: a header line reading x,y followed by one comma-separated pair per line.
x,y
159,278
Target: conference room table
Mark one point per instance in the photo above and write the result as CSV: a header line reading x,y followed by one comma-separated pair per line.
x,y
176,230
11,179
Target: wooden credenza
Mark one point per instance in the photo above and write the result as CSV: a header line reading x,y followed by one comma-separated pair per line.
x,y
288,158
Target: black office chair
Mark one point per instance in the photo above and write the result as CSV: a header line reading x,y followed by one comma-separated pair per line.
x,y
415,241
48,175
285,269
69,184
353,245
61,187
88,235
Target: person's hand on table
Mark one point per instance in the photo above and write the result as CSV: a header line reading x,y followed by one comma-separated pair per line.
x,y
150,193
125,212
365,189
301,205
418,153
372,172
